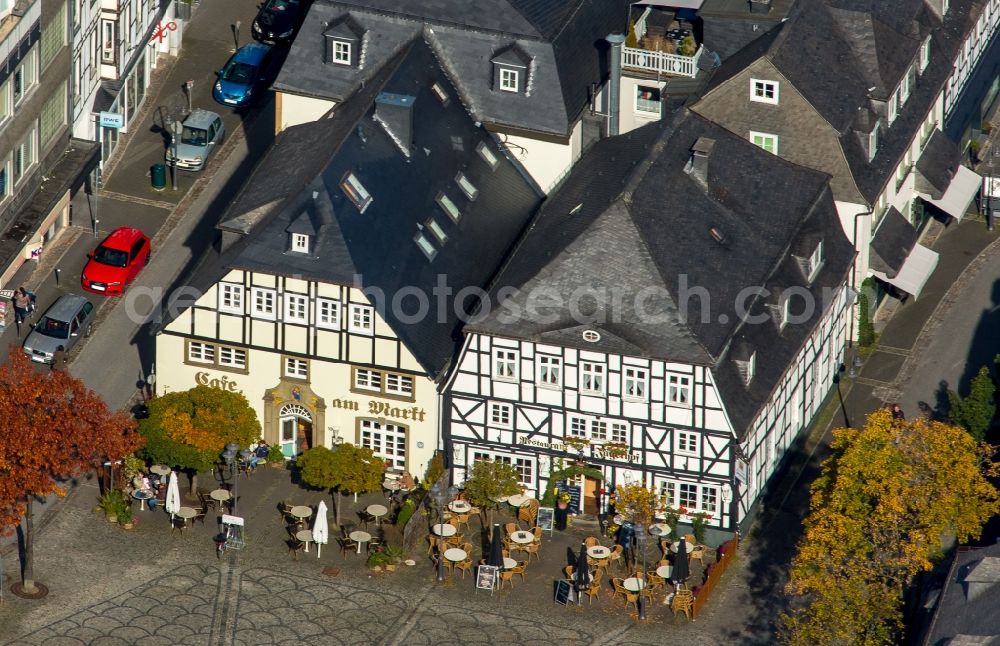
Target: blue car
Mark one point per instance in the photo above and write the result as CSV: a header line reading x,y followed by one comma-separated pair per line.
x,y
242,77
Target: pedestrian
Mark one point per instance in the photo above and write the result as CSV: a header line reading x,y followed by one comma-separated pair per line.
x,y
897,412
22,303
59,359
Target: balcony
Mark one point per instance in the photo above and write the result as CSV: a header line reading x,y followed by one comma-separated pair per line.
x,y
656,62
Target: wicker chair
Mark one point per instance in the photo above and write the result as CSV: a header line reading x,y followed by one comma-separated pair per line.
x,y
432,543
683,602
528,512
295,546
591,541
616,556
506,576
618,584
569,570
519,569
464,566
510,528
697,553
594,588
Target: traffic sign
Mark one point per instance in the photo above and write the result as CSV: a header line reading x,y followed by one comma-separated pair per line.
x,y
112,120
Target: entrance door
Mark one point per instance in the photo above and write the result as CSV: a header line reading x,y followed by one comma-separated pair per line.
x,y
590,502
295,428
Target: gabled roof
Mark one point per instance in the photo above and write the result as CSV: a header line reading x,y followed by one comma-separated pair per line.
x,y
345,27
633,221
959,619
375,250
563,39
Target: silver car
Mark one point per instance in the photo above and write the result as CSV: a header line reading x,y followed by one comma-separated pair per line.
x,y
203,132
63,324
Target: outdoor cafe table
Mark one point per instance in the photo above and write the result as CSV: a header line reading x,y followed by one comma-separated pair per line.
x,y
509,563
598,552
501,499
634,584
301,512
186,513
445,530
522,538
142,495
220,495
664,571
676,545
455,554
659,529
305,536
459,506
360,537
160,469
377,511
517,500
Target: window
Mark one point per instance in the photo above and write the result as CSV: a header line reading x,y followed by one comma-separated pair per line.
x,y
425,245
108,45
263,302
327,313
300,242
751,369
687,443
634,385
578,427
387,441
591,336
401,385
679,390
925,53
5,100
764,91
873,142
549,371
487,155
893,105
468,189
295,308
647,100
231,298
232,357
448,206
687,495
501,414
53,116
3,181
591,378
436,230
505,364
24,156
53,36
440,93
619,432
786,311
361,319
298,368
816,260
356,192
523,466
341,52
368,379
599,429
201,352
508,80
709,500
765,141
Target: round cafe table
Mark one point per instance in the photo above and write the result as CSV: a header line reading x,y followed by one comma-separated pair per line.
x,y
659,529
500,499
377,511
160,470
142,495
664,571
306,535
459,506
455,554
186,513
445,530
517,500
522,538
360,537
220,495
598,552
509,563
634,584
676,545
301,512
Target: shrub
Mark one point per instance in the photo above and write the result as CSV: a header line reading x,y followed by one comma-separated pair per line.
x,y
405,512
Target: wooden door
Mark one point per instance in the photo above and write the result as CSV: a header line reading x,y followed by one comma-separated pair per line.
x,y
590,487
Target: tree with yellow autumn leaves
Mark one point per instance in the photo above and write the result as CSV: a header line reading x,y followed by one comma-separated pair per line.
x,y
189,429
884,502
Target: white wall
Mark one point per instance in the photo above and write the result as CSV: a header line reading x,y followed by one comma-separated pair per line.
x,y
629,117
292,109
546,162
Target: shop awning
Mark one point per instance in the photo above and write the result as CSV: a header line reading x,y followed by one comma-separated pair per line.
x,y
963,188
916,269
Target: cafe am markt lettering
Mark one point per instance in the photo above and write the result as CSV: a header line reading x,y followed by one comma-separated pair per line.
x,y
383,409
222,383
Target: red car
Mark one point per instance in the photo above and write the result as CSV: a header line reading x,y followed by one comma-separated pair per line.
x,y
116,261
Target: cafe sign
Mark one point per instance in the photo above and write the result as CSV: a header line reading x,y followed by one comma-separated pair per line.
x,y
597,450
222,383
383,409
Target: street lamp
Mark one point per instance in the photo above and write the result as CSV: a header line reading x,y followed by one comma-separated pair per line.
x,y
840,395
176,128
640,537
441,495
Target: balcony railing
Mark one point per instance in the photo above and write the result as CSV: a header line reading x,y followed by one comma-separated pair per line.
x,y
660,62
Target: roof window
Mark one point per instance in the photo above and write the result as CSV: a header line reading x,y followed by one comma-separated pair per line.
x,y
439,92
436,230
448,206
356,192
488,156
425,245
463,183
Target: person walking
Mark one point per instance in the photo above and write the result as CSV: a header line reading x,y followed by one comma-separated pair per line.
x,y
22,303
59,359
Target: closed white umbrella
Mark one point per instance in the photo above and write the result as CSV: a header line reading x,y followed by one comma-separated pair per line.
x,y
321,529
173,502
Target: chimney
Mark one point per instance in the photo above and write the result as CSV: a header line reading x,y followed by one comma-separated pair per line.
x,y
698,164
614,83
983,576
395,113
760,6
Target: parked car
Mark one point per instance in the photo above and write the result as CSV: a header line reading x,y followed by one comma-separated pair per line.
x,y
242,77
63,324
276,21
116,262
202,133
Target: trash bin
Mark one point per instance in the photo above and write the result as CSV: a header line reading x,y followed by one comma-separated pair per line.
x,y
158,175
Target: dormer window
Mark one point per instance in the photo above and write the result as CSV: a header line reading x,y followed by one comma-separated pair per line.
x,y
300,243
893,106
873,141
815,261
510,69
356,192
764,91
508,80
342,41
745,358
751,368
925,53
904,88
341,52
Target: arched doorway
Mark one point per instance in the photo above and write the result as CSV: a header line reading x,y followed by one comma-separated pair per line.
x,y
296,429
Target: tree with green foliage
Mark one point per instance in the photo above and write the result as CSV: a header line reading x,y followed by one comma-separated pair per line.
x,y
487,481
631,39
866,328
189,429
975,412
345,469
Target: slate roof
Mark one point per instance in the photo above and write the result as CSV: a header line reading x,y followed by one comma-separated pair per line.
x,y
562,38
892,243
375,249
631,222
955,615
863,48
937,165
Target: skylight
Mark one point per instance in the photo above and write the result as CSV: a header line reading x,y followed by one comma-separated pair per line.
x,y
356,192
463,183
440,93
425,245
487,154
449,207
435,228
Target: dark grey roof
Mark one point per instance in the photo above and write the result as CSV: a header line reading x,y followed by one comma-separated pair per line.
x,y
634,221
562,39
892,243
955,613
375,249
729,26
863,48
937,165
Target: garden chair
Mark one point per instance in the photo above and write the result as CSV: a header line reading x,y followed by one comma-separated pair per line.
x,y
347,545
683,602
528,512
590,541
697,553
432,543
510,528
295,546
464,566
594,588
507,576
520,568
616,556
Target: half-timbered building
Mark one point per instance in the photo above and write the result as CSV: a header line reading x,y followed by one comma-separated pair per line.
x,y
319,307
670,318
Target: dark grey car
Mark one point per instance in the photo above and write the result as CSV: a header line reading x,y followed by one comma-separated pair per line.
x,y
63,324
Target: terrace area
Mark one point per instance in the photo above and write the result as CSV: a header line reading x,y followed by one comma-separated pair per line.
x,y
664,39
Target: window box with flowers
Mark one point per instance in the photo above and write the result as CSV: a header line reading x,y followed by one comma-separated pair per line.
x,y
576,443
615,450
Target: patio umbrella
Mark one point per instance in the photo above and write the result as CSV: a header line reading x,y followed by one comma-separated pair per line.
x,y
682,569
173,501
581,576
321,529
496,548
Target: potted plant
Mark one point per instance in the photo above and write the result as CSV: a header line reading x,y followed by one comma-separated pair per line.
x,y
698,523
576,443
974,149
688,46
275,458
128,522
616,449
113,502
563,500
